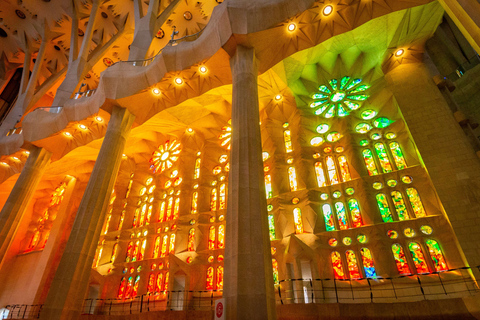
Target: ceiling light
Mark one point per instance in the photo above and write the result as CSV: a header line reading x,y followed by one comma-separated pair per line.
x,y
178,81
4,163
278,97
291,27
156,91
26,152
190,130
99,119
203,69
15,158
82,126
68,134
327,10
399,52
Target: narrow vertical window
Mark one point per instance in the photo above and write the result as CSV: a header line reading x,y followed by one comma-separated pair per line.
x,y
114,253
149,215
176,208
400,259
344,170
337,265
219,278
352,265
297,217
332,171
121,288
271,227
159,286
141,252
151,284
368,265
210,275
136,249
288,141
161,215
383,157
194,203
400,207
129,252
135,286
223,196
143,211
196,175
357,220
156,247
191,240
341,216
275,271
221,237
35,239
384,208
167,279
321,182
170,209
128,290
369,162
99,256
292,177
107,224
171,247
135,218
436,255
398,155
211,238
418,258
213,200
268,186
328,217
163,253
416,203
120,222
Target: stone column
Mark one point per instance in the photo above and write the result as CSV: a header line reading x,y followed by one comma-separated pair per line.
x,y
69,286
13,210
248,289
445,150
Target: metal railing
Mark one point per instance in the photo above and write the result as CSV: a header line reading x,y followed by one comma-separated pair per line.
x,y
22,311
87,93
17,130
52,109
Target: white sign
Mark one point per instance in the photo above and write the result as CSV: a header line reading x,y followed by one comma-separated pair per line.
x,y
220,309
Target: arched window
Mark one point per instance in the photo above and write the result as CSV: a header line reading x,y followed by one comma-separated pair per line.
x,y
197,168
341,215
344,170
271,226
400,259
107,224
398,155
297,218
191,240
156,247
121,289
337,265
210,274
352,265
357,220
383,157
128,290
369,162
135,218
171,247
135,287
292,178
167,279
436,255
136,249
129,252
321,182
384,208
143,211
151,284
194,203
159,285
170,209
120,222
332,171
368,265
35,240
141,252
418,258
416,203
213,200
99,254
161,215
221,237
328,216
176,208
149,214
288,141
399,205
223,196
114,253
268,186
219,277
211,238
163,253
275,271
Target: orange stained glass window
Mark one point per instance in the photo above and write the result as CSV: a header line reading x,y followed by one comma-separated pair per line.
x,y
194,203
151,284
129,252
436,255
191,240
223,196
211,238
171,247
161,214
198,162
141,252
149,214
143,212
398,155
369,162
400,259
135,218
159,285
213,200
275,271
114,253
344,169
288,141
120,222
321,182
418,258
135,286
416,203
337,265
167,274
354,208
35,240
332,171
170,209
219,277
99,256
297,218
176,208
163,253
383,157
136,248
221,237
268,186
210,275
45,239
107,224
121,289
128,290
352,265
292,178
156,247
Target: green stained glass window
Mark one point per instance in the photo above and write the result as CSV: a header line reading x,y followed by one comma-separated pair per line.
x,y
333,84
376,136
342,112
347,241
330,112
377,185
426,230
400,207
400,259
363,127
352,105
337,96
349,191
368,266
383,157
362,238
322,128
324,88
392,183
333,136
353,83
320,110
341,216
397,155
382,122
324,196
271,226
384,208
416,202
269,207
364,142
390,135
392,234
436,255
337,194
368,114
409,232
317,103
328,217
319,96
316,141
369,162
355,213
344,82
407,179
357,97
418,258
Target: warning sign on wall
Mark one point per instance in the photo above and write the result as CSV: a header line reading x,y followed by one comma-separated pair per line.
x,y
220,309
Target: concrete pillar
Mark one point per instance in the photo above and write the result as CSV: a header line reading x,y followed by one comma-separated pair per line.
x,y
13,210
248,289
445,150
70,284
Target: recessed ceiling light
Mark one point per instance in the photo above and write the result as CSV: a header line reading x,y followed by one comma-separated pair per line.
x,y
178,81
82,126
68,134
278,97
291,27
156,91
327,10
203,69
190,130
99,119
399,52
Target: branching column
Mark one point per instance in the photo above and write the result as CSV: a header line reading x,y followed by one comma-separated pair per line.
x,y
66,294
13,210
248,290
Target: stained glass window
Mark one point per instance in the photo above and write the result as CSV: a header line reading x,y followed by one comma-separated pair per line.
x,y
275,271
120,222
297,217
400,259
219,277
156,248
416,203
292,177
398,155
171,247
176,208
400,207
268,186
167,279
141,251
369,162
384,208
271,226
163,253
213,200
321,182
149,215
196,174
337,265
368,266
151,284
352,265
121,289
164,157
129,252
383,157
341,216
328,216
194,203
135,217
191,240
170,209
211,238
159,286
221,237
332,172
107,223
288,141
114,253
344,170
161,215
223,197
128,290
357,220
136,249
210,275
35,239
436,255
418,258
135,286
